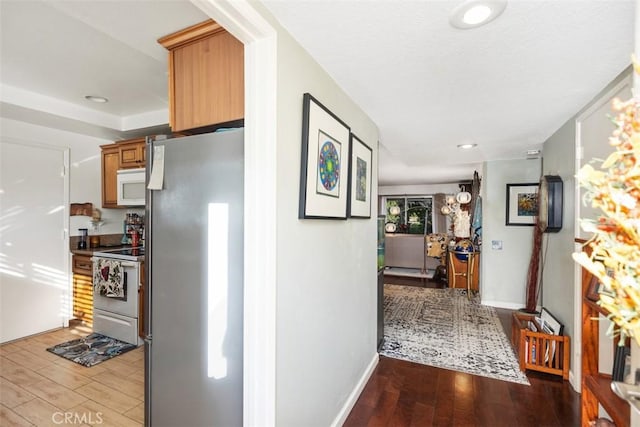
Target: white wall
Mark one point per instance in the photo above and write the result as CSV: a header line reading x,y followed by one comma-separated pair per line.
x,y
84,173
503,272
326,269
389,190
34,284
84,186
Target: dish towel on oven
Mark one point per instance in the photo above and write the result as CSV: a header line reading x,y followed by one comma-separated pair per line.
x,y
108,279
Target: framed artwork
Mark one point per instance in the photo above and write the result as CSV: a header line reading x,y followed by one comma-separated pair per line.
x,y
522,204
324,171
551,325
360,158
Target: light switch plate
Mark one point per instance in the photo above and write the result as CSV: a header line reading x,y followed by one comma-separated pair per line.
x,y
496,245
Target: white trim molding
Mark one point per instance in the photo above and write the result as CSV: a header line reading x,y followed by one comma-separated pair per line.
x,y
241,19
355,393
503,304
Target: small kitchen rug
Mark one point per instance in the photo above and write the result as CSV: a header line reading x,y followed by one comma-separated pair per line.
x,y
92,349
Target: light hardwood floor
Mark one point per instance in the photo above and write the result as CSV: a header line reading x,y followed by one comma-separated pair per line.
x,y
42,389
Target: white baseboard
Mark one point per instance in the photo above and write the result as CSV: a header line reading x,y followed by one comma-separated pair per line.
x,y
575,384
355,394
502,304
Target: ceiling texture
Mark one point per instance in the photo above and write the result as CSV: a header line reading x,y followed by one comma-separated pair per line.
x,y
506,86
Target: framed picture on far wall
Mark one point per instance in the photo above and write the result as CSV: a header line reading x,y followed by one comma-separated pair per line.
x,y
522,204
360,157
324,170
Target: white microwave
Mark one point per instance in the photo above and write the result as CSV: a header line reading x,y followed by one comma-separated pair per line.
x,y
131,187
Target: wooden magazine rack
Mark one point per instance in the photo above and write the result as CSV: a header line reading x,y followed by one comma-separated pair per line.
x,y
539,351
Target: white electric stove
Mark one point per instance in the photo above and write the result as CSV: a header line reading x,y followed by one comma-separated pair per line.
x,y
118,317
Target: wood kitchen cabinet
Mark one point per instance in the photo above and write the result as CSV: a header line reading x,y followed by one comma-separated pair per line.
x,y
129,154
82,268
206,76
110,161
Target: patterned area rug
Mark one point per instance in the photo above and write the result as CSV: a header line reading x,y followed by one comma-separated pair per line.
x,y
445,329
91,350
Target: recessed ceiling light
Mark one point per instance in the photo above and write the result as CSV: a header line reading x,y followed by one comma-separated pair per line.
x,y
98,99
467,146
474,13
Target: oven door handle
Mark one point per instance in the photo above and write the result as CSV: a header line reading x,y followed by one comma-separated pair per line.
x,y
123,263
129,264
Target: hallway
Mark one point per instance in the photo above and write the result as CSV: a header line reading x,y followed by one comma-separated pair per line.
x,y
401,393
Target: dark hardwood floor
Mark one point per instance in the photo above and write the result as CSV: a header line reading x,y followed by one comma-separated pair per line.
x,y
403,393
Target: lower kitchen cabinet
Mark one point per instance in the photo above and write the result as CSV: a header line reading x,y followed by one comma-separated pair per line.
x,y
82,268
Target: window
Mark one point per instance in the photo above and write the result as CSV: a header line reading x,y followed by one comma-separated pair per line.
x,y
412,215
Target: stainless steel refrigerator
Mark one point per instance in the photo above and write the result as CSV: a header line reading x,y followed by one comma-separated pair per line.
x,y
194,281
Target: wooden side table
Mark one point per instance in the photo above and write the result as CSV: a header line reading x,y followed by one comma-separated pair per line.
x,y
464,274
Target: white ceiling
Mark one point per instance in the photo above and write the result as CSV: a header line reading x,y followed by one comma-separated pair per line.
x,y
53,53
429,87
506,86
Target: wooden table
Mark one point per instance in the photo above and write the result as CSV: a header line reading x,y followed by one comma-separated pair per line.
x,y
464,273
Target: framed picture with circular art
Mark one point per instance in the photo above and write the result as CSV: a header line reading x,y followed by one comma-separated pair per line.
x,y
324,170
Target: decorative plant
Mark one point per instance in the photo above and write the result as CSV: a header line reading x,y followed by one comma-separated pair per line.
x,y
614,188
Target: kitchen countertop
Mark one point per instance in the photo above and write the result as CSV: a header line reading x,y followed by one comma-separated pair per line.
x,y
90,251
107,242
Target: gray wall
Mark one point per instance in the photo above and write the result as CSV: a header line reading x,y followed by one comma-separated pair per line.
x,y
326,269
503,272
558,273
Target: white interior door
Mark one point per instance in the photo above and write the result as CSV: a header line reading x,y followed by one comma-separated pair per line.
x,y
34,279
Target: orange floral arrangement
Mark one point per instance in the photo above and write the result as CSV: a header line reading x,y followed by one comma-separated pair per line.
x,y
614,188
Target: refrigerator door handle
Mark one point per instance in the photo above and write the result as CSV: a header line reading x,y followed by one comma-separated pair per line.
x,y
150,145
149,287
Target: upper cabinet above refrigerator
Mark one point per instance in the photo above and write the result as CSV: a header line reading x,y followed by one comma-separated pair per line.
x,y
206,78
